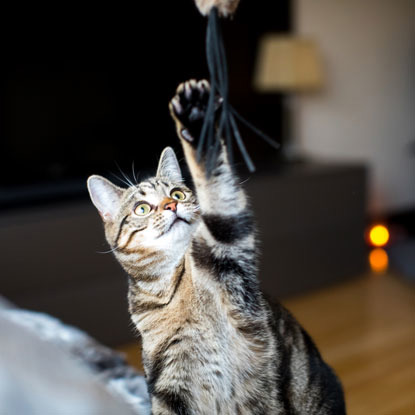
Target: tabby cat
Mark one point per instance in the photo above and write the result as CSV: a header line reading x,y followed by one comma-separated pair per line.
x,y
211,342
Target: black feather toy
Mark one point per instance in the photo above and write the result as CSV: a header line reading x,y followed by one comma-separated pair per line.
x,y
209,141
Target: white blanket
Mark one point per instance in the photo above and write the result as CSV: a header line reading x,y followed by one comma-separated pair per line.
x,y
47,367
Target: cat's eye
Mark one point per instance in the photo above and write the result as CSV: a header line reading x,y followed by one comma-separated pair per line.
x,y
142,209
177,194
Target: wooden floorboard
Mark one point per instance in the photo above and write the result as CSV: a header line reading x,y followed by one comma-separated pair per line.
x,y
365,329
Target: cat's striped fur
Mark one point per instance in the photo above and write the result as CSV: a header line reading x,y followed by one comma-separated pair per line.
x,y
211,343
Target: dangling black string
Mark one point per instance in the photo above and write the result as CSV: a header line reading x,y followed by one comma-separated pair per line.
x,y
209,142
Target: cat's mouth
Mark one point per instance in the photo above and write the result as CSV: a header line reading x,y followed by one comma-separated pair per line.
x,y
176,220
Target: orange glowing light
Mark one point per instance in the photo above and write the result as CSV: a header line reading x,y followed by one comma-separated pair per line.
x,y
378,260
379,235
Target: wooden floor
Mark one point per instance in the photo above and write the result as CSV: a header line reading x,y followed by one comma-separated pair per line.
x,y
365,329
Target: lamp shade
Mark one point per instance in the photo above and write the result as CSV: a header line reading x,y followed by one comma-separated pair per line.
x,y
287,64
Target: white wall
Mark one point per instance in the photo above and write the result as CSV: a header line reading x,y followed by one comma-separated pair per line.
x,y
367,108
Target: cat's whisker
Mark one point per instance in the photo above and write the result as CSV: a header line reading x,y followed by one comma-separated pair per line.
x,y
121,179
244,181
110,251
129,182
134,174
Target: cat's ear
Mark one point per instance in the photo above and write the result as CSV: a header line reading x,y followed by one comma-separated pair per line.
x,y
105,196
169,166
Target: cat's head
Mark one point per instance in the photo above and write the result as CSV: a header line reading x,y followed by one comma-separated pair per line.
x,y
158,214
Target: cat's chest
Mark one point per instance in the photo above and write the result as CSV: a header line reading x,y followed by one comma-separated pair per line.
x,y
197,334
199,355
195,345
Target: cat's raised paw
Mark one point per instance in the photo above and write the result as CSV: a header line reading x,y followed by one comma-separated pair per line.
x,y
189,107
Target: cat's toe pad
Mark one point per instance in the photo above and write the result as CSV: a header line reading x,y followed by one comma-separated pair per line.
x,y
186,135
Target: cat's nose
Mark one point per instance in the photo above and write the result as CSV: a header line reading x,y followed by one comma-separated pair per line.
x,y
171,206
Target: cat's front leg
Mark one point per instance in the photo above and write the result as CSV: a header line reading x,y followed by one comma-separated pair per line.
x,y
225,244
219,193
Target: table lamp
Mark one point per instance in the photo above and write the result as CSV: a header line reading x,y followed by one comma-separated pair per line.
x,y
288,65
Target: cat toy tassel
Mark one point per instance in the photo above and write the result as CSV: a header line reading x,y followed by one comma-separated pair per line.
x,y
209,141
